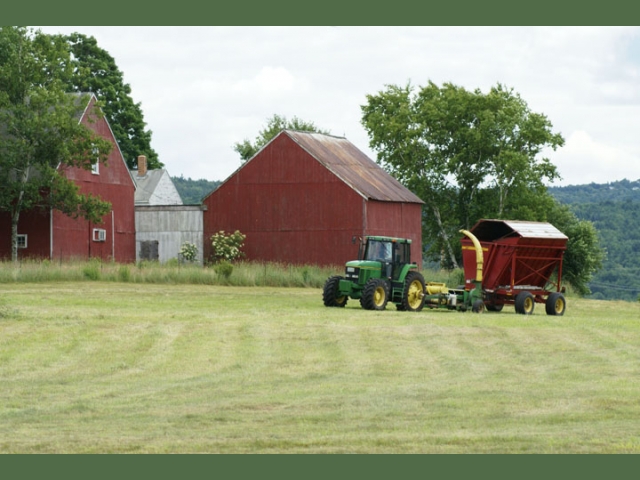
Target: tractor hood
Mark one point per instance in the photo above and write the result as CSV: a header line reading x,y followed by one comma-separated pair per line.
x,y
364,264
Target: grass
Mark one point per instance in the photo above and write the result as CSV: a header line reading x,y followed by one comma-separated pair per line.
x,y
118,367
241,274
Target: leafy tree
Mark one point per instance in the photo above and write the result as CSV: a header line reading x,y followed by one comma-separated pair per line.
x,y
40,132
193,191
95,70
468,155
584,256
275,125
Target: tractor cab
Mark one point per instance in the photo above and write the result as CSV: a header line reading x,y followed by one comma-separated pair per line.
x,y
382,273
390,253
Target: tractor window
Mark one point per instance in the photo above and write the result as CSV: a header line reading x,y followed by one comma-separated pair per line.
x,y
402,253
377,250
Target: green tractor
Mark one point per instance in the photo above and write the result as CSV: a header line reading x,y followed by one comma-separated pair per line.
x,y
383,273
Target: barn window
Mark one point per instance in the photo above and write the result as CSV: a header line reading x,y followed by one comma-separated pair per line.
x,y
22,241
95,165
99,235
149,250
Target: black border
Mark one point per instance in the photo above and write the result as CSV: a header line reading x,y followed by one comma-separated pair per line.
x,y
327,12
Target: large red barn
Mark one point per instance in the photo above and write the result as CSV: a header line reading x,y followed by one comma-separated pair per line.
x,y
306,198
53,235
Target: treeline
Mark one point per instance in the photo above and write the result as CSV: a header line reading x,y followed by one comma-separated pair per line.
x,y
614,210
598,192
193,191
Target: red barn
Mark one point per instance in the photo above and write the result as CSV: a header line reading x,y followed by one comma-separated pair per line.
x,y
51,234
305,198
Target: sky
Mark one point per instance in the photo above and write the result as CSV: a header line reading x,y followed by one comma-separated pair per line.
x,y
204,89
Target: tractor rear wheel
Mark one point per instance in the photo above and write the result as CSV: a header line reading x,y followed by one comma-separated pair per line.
x,y
413,292
555,304
331,295
375,295
524,303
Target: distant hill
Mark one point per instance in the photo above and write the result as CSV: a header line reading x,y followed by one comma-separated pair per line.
x,y
598,192
193,191
614,209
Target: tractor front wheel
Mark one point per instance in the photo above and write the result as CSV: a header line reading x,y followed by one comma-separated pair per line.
x,y
413,292
524,303
555,304
478,306
331,294
374,296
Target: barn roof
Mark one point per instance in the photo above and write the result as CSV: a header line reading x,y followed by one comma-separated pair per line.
x,y
353,167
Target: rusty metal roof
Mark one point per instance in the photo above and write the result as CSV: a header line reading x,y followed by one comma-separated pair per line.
x,y
353,167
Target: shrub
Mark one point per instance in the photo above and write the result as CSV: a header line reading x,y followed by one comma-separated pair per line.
x,y
124,274
227,246
223,269
189,252
92,270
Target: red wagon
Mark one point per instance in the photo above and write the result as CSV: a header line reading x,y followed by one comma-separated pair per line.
x,y
521,264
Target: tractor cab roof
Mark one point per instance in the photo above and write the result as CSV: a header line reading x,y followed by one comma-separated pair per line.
x,y
388,239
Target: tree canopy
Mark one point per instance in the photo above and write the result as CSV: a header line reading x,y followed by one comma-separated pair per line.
x,y
94,70
40,130
274,126
468,155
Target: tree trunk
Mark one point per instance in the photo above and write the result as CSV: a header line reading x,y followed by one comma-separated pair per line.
x,y
444,236
15,217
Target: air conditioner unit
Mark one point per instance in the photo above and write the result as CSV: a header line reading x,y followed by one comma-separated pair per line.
x,y
99,235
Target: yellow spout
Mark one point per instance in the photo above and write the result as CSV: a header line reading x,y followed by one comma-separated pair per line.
x,y
479,255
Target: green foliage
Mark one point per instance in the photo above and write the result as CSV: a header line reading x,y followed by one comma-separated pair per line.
x,y
124,273
40,131
189,251
596,193
468,155
193,191
584,255
95,70
227,246
274,126
614,210
92,270
224,269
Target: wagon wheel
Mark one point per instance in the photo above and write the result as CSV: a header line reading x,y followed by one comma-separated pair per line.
x,y
331,295
524,303
555,304
374,296
413,292
493,307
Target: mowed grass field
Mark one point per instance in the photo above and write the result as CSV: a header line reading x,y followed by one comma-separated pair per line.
x,y
107,367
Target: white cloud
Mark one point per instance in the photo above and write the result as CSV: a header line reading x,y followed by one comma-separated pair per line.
x,y
270,81
584,160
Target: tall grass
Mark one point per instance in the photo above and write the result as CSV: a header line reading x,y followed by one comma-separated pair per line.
x,y
243,274
250,274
